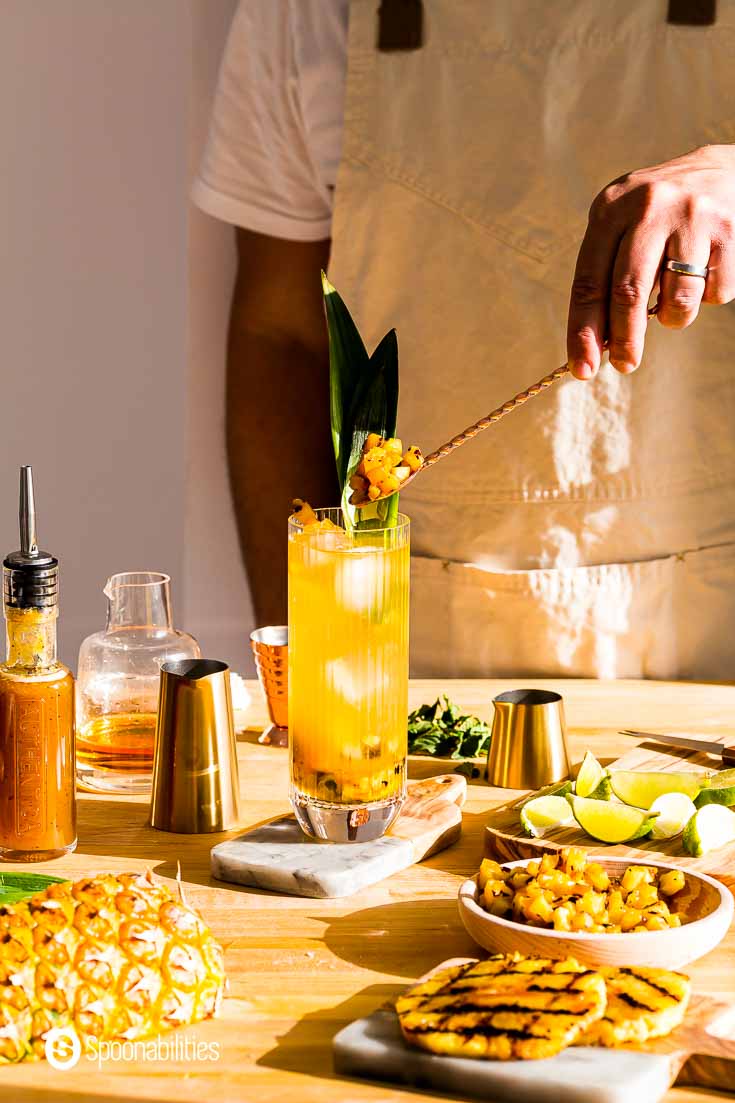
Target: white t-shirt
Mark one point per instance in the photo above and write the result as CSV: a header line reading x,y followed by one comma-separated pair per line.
x,y
273,150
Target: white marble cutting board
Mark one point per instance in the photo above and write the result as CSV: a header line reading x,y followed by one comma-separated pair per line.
x,y
373,1048
277,855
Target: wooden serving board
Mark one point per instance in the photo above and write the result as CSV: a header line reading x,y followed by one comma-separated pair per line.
x,y
276,855
374,1048
505,840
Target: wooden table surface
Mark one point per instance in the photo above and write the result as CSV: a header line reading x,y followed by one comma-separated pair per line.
x,y
300,969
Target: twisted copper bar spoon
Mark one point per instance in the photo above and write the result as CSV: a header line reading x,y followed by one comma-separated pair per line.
x,y
490,419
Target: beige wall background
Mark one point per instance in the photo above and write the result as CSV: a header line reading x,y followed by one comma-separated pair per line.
x,y
114,294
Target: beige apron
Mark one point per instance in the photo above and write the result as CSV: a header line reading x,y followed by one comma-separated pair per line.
x,y
592,532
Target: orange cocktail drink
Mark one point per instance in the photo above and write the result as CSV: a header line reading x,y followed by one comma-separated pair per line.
x,y
348,675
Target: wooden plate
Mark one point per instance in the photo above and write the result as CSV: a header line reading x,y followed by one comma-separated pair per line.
x,y
505,839
706,907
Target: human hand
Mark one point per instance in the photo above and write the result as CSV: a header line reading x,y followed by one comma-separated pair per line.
x,y
681,210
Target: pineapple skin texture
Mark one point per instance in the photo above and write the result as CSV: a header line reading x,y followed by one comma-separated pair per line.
x,y
116,957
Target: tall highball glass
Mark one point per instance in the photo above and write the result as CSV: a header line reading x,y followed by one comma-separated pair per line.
x,y
348,676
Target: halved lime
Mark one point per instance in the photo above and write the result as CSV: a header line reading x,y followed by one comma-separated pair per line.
x,y
674,812
709,828
542,813
554,789
610,822
719,789
641,788
593,780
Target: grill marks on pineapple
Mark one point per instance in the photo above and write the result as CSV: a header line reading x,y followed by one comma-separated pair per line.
x,y
669,984
642,1003
505,1007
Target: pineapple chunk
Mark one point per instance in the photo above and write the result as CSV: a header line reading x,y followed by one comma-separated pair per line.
x,y
489,870
671,882
304,513
372,459
412,458
540,908
373,440
376,475
563,916
389,484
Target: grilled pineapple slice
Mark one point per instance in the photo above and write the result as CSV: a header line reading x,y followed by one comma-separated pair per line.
x,y
109,957
641,1004
508,1006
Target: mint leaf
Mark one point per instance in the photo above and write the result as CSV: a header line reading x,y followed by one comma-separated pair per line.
x,y
440,729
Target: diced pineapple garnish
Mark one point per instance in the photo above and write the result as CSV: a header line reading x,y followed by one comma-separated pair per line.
x,y
413,458
308,519
382,468
303,512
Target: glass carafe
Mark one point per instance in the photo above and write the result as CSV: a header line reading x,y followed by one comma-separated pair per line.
x,y
117,683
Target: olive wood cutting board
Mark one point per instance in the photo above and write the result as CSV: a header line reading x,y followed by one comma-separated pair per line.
x,y
373,1048
505,840
276,855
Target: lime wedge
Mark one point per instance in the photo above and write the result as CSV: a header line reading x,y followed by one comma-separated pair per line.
x,y
542,813
593,780
674,812
709,828
610,822
555,789
718,789
641,788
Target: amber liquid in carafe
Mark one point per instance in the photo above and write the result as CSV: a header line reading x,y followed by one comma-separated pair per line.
x,y
121,741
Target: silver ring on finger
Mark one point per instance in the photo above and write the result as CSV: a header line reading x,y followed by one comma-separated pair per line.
x,y
685,269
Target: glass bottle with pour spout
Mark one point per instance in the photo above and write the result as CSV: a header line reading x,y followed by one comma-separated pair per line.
x,y
37,802
118,679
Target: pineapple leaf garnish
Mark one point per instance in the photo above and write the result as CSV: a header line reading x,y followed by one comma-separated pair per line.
x,y
21,886
348,364
363,399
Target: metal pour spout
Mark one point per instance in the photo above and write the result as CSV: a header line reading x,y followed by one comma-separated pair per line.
x,y
30,576
27,515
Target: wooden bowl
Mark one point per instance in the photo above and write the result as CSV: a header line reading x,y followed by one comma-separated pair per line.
x,y
706,908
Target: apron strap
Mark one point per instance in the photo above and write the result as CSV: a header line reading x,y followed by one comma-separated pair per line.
x,y
400,25
692,13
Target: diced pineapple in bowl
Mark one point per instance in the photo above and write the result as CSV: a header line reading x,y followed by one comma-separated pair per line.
x,y
602,911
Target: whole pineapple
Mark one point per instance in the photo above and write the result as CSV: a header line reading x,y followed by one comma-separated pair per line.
x,y
113,957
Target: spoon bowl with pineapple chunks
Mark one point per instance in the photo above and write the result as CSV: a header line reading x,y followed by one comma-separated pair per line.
x,y
383,470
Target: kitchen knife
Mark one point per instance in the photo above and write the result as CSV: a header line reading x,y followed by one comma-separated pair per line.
x,y
727,754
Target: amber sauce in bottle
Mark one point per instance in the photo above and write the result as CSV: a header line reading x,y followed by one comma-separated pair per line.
x,y
37,799
37,806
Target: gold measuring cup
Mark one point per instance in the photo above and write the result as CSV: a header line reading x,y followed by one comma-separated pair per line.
x,y
528,746
195,777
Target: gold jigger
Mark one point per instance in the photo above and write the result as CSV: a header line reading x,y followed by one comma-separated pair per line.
x,y
270,647
195,779
527,748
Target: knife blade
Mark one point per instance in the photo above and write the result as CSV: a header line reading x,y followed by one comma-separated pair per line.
x,y
727,754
